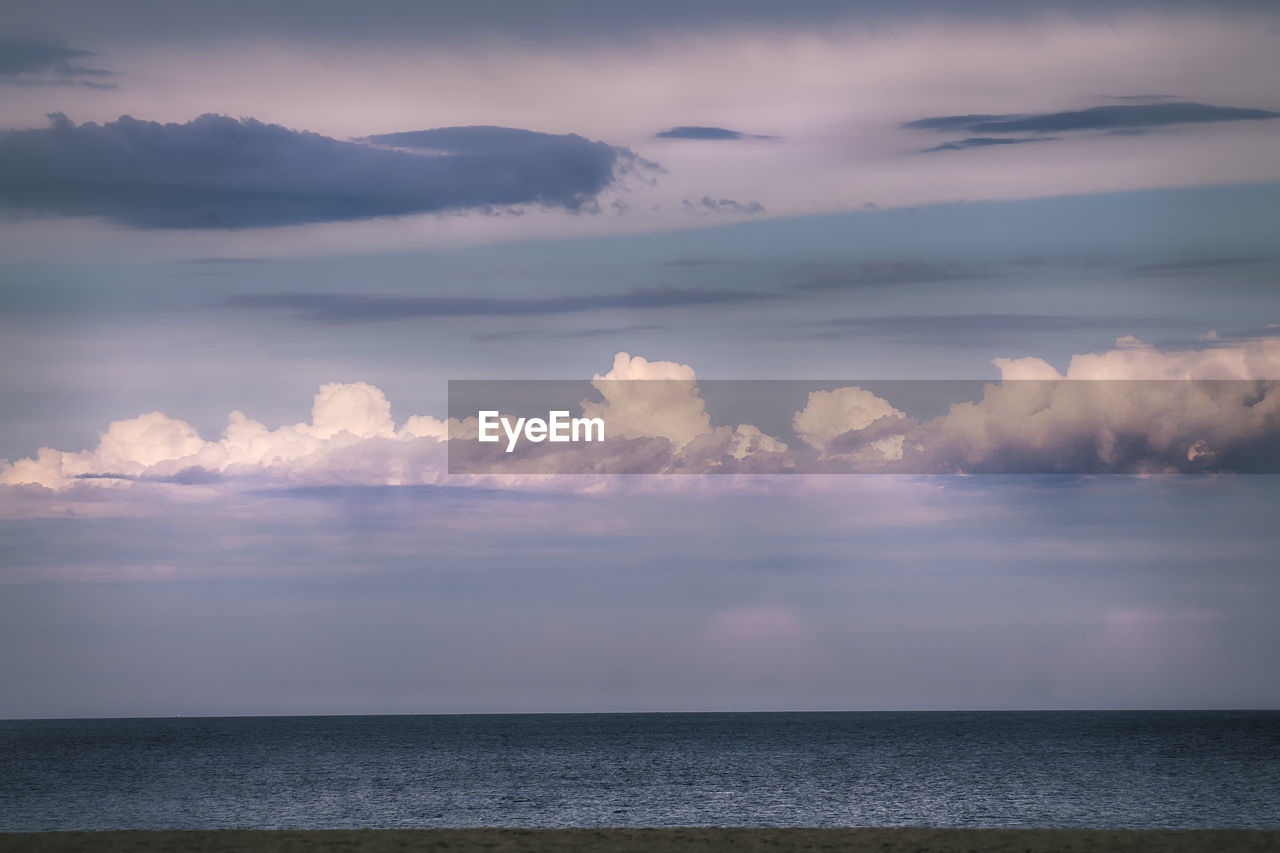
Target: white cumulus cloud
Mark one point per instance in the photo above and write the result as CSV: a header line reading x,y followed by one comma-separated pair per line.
x,y
347,420
670,408
1111,412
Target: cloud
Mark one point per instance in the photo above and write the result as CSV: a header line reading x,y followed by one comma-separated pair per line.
x,y
346,308
983,142
369,88
1213,338
1192,266
838,276
220,172
1138,115
670,408
350,439
1109,117
342,308
41,63
840,421
1135,410
1092,427
1132,409
1132,360
710,134
566,157
707,204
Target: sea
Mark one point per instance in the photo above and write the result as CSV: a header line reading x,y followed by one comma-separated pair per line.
x,y
1173,769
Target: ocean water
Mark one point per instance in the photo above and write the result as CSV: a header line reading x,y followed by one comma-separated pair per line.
x,y
1001,769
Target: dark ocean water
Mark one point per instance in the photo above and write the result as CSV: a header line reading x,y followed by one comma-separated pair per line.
x,y
1045,769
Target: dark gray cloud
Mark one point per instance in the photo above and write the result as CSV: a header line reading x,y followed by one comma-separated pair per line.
x,y
343,308
697,132
706,133
29,62
1109,117
221,172
707,204
1192,266
837,276
984,141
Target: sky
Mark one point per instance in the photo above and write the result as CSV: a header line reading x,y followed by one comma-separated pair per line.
x,y
244,249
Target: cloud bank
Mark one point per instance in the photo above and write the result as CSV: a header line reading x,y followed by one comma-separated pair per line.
x,y
1173,413
226,173
350,426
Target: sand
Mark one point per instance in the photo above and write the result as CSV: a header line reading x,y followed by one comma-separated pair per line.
x,y
636,840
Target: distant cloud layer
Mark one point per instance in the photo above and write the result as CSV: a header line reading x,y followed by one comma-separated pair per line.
x,y
1046,425
348,308
1117,118
26,62
220,172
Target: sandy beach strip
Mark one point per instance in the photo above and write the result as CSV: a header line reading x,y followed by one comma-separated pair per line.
x,y
637,840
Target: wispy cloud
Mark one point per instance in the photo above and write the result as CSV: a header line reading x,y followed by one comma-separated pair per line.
x,y
29,62
1191,266
1139,114
1107,117
341,308
834,276
804,279
985,141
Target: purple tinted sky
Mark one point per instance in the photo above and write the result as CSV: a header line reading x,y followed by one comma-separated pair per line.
x,y
862,201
